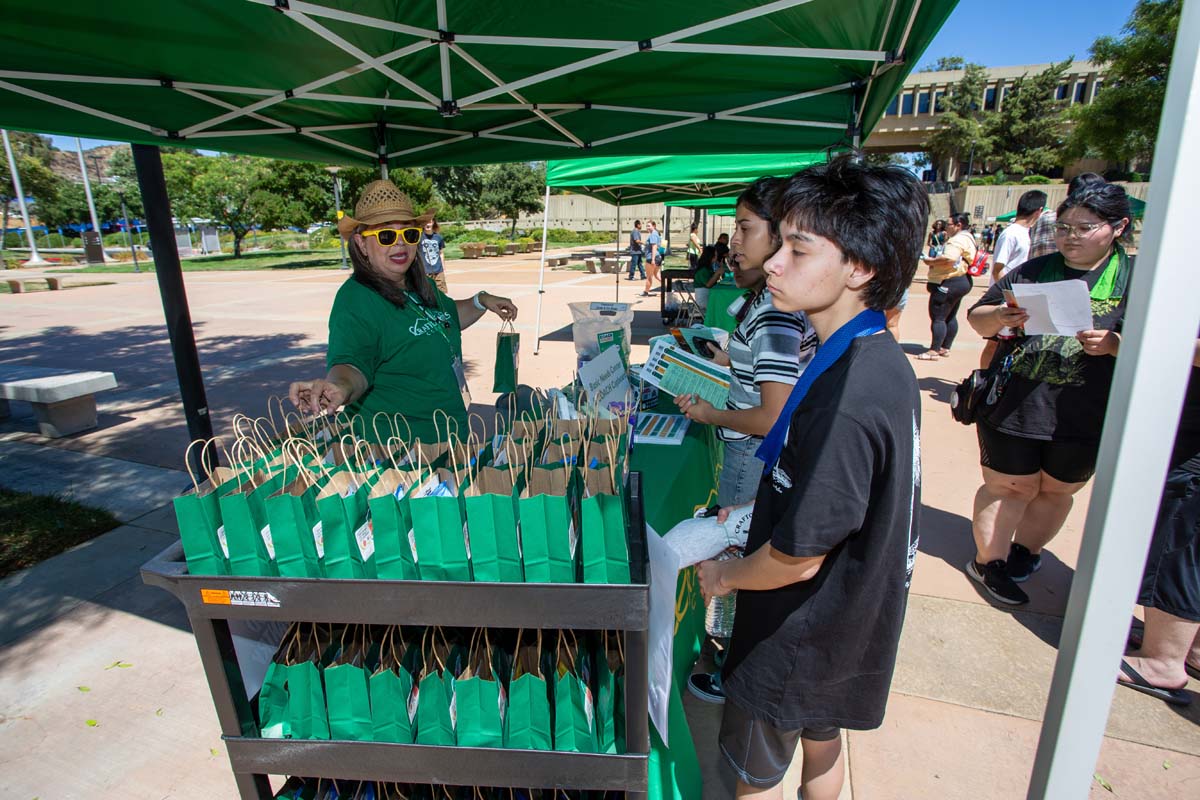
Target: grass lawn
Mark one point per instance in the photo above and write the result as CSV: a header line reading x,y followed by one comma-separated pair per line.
x,y
34,528
271,259
37,286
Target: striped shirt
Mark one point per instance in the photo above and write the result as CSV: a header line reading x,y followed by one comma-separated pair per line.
x,y
768,345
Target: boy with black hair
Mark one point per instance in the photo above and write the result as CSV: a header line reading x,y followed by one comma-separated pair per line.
x,y
831,548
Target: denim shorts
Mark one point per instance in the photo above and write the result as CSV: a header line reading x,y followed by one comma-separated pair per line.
x,y
740,473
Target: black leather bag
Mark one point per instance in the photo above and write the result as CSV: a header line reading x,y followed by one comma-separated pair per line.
x,y
970,394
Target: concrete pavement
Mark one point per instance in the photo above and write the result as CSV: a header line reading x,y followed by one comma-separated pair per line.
x,y
970,684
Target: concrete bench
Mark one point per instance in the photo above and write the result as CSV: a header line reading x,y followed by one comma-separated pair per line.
x,y
611,265
18,285
64,402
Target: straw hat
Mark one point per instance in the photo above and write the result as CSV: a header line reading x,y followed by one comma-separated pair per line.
x,y
381,201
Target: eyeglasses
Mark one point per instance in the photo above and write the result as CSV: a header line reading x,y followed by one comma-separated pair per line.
x,y
1080,231
388,236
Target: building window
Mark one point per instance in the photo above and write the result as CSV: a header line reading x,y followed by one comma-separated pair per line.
x,y
937,102
906,106
1096,87
1061,94
923,103
893,107
989,99
1080,91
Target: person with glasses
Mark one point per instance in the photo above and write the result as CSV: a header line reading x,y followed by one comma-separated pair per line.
x,y
395,341
1039,429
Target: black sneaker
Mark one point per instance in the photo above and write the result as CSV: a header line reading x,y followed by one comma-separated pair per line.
x,y
994,578
1022,563
707,687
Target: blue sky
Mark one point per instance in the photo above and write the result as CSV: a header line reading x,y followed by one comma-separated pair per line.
x,y
1003,34
995,34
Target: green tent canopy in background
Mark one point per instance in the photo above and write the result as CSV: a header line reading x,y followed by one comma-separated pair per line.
x,y
673,178
461,81
1136,206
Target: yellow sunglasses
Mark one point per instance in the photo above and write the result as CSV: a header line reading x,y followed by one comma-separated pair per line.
x,y
388,236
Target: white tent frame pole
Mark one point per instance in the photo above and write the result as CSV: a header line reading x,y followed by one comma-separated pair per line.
x,y
684,33
779,52
481,134
35,259
887,28
617,255
356,19
444,52
1157,348
95,112
537,330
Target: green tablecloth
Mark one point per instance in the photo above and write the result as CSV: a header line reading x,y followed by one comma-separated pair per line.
x,y
719,298
676,481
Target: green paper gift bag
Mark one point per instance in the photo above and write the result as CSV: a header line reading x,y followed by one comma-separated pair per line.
x,y
349,545
273,696
393,692
391,521
491,507
306,717
295,531
439,528
479,698
527,725
508,345
610,695
199,516
247,530
347,695
602,529
574,709
549,538
435,689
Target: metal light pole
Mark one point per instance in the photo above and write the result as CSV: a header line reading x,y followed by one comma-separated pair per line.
x,y
337,209
35,260
128,235
87,190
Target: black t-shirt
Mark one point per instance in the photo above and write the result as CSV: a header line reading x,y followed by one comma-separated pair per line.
x,y
1187,440
820,653
1053,390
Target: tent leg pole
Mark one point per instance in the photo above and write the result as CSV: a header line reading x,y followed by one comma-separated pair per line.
x,y
148,162
1157,346
617,256
704,235
537,331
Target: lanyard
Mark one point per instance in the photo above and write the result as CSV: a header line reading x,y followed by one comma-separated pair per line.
x,y
866,323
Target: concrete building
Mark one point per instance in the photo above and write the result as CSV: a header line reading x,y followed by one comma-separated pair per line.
x,y
913,113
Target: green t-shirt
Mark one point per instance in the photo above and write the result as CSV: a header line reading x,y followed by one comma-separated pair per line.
x,y
405,354
702,277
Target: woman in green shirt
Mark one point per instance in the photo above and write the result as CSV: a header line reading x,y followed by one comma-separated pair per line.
x,y
395,341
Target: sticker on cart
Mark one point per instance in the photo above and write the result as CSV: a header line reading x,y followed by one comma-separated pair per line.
x,y
238,597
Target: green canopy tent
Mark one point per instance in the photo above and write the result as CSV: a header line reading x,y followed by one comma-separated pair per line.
x,y
677,179
1138,207
443,83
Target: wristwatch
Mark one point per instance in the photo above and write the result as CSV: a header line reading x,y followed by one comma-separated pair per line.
x,y
478,304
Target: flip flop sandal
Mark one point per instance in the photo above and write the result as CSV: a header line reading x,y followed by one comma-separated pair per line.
x,y
1177,697
1134,642
928,355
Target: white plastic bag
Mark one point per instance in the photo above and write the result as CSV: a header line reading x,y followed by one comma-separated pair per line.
x,y
696,540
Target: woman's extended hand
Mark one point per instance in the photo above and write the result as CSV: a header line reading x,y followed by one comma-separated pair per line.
x,y
695,408
1099,343
500,306
313,397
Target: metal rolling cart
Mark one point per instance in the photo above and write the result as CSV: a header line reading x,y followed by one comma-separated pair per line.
x,y
211,601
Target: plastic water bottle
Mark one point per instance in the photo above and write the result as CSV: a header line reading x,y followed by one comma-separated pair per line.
x,y
718,618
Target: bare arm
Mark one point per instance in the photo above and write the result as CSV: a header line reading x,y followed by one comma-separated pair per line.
x,y
988,320
764,569
469,313
753,421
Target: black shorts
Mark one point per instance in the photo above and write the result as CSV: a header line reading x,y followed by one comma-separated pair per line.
x,y
1069,462
1171,580
759,752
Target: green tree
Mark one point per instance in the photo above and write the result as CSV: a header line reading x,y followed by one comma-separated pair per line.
x,y
964,134
32,154
510,189
945,64
1121,123
461,187
226,190
1029,131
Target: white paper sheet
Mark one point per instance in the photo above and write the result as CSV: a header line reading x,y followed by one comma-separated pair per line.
x,y
664,577
1060,307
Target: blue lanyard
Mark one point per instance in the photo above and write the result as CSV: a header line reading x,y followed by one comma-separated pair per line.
x,y
866,323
